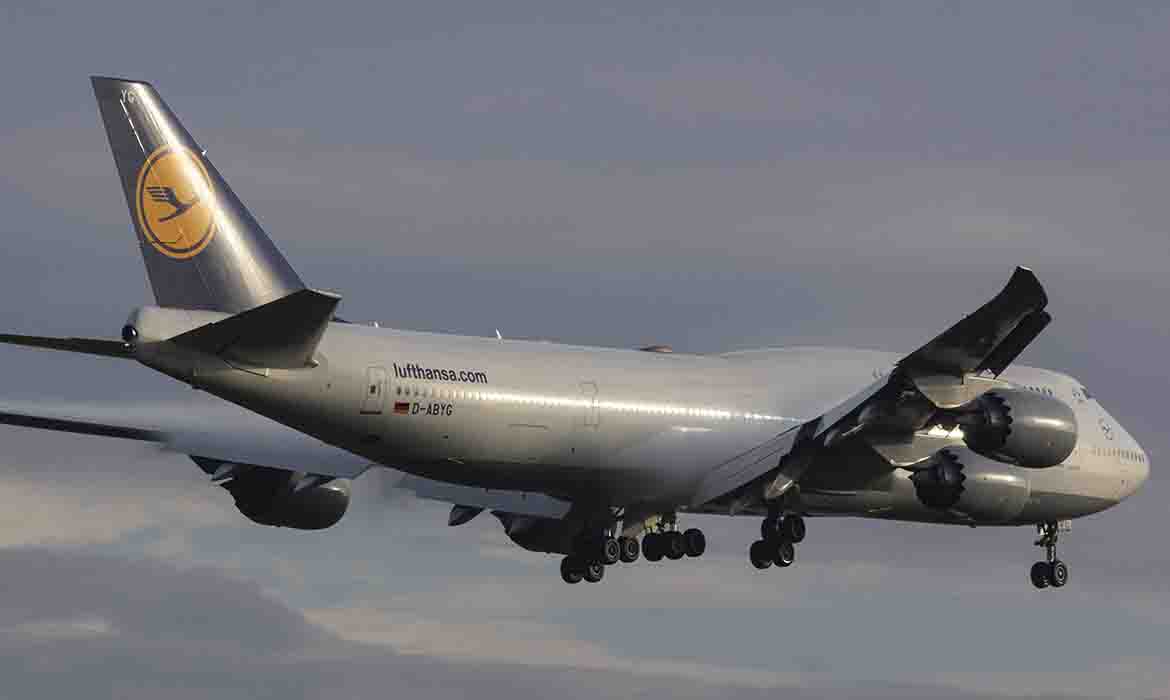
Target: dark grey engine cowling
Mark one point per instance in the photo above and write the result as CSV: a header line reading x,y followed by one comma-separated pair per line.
x,y
960,481
540,534
1018,426
265,496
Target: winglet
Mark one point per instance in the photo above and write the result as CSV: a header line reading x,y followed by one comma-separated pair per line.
x,y
281,334
992,336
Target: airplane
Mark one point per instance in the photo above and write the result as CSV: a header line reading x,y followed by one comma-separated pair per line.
x,y
593,454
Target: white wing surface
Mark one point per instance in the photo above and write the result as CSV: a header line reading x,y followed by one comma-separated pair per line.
x,y
217,431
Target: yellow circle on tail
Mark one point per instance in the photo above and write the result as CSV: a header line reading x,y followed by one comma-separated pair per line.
x,y
176,211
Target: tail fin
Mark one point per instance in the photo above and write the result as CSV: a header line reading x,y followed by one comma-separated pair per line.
x,y
202,248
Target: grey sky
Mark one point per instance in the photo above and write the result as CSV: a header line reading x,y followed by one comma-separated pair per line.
x,y
710,179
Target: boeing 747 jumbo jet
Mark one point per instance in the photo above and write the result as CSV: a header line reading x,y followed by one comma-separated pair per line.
x,y
594,454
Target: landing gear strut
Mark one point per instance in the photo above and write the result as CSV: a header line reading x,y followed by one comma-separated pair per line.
x,y
778,537
1051,572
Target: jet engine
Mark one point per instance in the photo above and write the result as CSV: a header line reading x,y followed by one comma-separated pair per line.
x,y
267,496
1022,427
540,534
964,482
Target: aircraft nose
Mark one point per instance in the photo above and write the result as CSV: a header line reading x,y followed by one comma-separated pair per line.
x,y
1143,470
1136,474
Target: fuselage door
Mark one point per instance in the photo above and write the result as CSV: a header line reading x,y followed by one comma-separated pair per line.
x,y
374,400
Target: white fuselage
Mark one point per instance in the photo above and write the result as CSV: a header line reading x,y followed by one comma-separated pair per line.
x,y
608,426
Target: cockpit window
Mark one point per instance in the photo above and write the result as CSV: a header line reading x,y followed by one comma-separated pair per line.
x,y
1086,393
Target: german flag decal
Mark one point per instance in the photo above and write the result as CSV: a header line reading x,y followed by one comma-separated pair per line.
x,y
401,408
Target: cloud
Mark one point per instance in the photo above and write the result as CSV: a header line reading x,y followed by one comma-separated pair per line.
x,y
75,623
707,179
694,91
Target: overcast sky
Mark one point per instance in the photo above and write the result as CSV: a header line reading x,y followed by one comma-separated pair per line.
x,y
710,179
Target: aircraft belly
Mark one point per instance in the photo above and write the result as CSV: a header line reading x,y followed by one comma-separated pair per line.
x,y
1069,490
666,462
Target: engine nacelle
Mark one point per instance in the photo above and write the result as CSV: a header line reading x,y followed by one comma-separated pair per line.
x,y
961,481
1022,427
540,534
265,496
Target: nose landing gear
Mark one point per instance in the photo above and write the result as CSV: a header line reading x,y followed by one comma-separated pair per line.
x,y
1051,572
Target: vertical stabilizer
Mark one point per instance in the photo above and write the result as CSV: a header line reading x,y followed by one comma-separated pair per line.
x,y
202,248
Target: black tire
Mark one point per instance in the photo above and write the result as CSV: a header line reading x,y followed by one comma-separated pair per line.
x,y
784,553
594,572
760,555
676,546
1057,574
769,528
652,547
694,542
1040,572
610,551
630,549
792,528
571,570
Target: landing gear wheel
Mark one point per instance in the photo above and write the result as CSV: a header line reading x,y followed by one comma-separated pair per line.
x,y
594,572
784,553
629,548
676,546
571,570
1051,572
1057,574
694,542
652,546
610,551
1040,574
792,528
760,555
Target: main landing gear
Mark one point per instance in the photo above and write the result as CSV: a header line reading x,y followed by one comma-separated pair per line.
x,y
593,553
674,545
1051,572
778,539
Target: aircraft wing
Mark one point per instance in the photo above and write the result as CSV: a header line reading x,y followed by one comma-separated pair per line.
x,y
952,369
212,431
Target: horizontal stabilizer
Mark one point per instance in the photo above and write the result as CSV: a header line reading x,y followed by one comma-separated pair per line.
x,y
80,427
88,346
281,334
